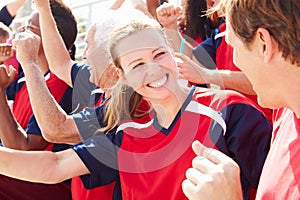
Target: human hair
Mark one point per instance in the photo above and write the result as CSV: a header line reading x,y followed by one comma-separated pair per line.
x,y
65,22
280,18
125,100
5,32
195,18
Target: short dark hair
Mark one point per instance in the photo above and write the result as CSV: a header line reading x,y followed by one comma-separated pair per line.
x,y
65,22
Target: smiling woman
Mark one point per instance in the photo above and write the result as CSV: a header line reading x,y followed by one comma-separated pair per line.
x,y
150,151
152,148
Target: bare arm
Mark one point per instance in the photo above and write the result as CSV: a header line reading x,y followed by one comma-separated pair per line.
x,y
56,125
41,166
11,133
191,69
117,4
151,6
14,6
56,53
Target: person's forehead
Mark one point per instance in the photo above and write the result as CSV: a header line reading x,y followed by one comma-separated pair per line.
x,y
34,19
90,34
142,40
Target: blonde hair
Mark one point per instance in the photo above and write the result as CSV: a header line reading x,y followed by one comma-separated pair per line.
x,y
125,101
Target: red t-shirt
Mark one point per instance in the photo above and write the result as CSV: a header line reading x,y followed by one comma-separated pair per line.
x,y
280,178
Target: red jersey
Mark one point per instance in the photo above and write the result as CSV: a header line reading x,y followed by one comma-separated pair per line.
x,y
280,177
22,109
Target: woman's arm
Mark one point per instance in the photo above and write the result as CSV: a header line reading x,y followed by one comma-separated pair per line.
x,y
41,166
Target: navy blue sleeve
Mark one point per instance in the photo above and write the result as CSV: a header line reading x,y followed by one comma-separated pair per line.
x,y
247,141
89,121
82,87
33,127
5,16
14,87
99,155
205,52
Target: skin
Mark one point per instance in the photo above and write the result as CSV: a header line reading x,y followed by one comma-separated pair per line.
x,y
149,67
12,135
57,164
14,6
210,167
191,69
270,72
58,127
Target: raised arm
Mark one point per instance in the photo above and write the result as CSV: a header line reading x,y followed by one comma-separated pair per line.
x,y
116,4
191,68
41,166
11,133
14,6
56,125
151,6
56,53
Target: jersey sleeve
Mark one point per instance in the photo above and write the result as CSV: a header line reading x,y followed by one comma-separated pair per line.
x,y
88,121
14,87
99,155
247,140
82,87
5,16
33,127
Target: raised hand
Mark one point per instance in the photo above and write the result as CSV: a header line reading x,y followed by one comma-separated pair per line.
x,y
167,15
6,51
190,70
27,47
6,76
213,176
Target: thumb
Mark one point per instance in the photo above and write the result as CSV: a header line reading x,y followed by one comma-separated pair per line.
x,y
12,72
198,148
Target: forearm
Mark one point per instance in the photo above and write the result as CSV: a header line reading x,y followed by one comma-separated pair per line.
x,y
11,133
57,55
234,80
38,166
151,6
14,6
177,42
56,125
117,4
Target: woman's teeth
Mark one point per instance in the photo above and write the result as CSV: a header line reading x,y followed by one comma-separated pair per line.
x,y
158,83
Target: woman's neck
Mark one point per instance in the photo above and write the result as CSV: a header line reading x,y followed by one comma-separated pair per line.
x,y
166,110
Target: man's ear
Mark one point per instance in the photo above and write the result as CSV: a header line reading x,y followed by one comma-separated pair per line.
x,y
119,72
268,46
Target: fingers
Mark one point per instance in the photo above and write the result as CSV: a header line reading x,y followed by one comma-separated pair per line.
x,y
197,147
213,155
167,9
188,188
6,50
11,72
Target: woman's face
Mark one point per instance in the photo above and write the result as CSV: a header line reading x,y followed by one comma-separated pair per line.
x,y
147,64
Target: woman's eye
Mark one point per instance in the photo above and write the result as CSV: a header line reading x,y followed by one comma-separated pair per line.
x,y
138,65
160,54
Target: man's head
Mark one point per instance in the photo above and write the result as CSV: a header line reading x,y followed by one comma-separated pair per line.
x,y
65,22
102,73
265,37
